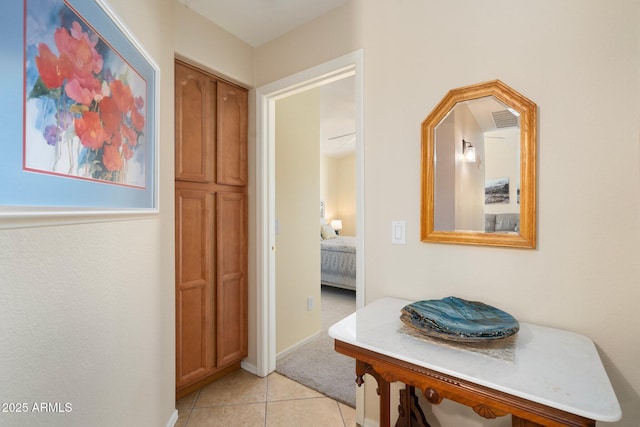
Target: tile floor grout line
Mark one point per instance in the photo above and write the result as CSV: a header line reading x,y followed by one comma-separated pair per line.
x,y
266,408
195,399
224,405
266,400
344,423
190,409
302,398
266,397
186,422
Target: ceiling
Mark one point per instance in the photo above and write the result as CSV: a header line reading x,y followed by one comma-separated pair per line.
x,y
491,114
338,118
259,21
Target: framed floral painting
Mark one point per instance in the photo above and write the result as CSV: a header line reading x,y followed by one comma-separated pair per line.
x,y
88,136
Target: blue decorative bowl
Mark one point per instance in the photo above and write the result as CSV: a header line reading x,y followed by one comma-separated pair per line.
x,y
456,319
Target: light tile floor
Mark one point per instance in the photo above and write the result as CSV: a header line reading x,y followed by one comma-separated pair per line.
x,y
243,399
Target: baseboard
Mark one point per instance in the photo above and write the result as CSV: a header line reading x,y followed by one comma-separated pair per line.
x,y
370,423
298,345
174,419
249,367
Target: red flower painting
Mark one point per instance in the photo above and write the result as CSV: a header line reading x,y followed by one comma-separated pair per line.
x,y
86,102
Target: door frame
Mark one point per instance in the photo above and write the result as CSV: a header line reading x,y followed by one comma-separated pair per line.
x,y
266,96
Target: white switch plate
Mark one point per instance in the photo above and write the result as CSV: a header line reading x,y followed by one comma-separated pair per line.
x,y
399,232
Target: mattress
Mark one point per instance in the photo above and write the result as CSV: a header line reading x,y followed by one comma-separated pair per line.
x,y
338,262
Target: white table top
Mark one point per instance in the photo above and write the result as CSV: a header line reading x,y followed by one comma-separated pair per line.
x,y
556,368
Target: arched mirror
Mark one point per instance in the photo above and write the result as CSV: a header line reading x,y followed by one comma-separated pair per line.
x,y
479,168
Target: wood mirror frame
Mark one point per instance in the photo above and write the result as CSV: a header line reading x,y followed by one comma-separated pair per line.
x,y
526,235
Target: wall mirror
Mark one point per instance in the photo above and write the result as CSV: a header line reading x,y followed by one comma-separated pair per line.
x,y
479,168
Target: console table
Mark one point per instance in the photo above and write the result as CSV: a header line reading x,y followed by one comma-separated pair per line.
x,y
550,377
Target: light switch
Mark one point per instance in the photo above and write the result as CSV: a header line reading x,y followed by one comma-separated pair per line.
x,y
398,232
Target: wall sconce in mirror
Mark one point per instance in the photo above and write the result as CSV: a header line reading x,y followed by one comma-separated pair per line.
x,y
336,224
494,202
468,151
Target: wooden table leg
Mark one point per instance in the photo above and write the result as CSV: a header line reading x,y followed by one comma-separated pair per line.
x,y
384,390
410,412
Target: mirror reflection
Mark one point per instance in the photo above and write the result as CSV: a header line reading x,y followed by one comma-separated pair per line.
x,y
477,168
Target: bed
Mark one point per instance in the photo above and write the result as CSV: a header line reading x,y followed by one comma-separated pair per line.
x,y
338,262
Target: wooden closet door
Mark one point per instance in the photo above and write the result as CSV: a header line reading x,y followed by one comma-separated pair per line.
x,y
195,122
231,257
211,227
231,162
195,346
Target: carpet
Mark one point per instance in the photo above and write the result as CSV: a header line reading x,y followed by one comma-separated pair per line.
x,y
316,364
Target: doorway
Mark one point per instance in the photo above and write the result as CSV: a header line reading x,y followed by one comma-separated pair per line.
x,y
266,97
315,281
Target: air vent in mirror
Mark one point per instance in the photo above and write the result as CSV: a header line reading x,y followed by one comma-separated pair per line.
x,y
504,119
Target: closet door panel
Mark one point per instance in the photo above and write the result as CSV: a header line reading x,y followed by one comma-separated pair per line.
x,y
231,165
195,347
194,125
192,355
231,318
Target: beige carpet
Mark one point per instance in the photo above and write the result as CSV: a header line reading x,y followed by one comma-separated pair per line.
x,y
316,364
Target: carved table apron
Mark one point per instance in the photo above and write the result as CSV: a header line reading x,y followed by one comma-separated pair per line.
x,y
556,377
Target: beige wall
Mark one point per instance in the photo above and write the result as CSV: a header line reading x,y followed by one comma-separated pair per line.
x,y
199,41
329,185
88,309
347,194
290,53
580,62
338,190
297,236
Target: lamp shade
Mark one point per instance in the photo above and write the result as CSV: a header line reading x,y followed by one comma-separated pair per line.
x,y
468,151
470,154
336,224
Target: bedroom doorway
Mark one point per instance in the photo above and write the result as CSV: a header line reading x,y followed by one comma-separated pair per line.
x,y
315,161
266,97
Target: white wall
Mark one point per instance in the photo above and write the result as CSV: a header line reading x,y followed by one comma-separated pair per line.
x,y
444,195
88,310
502,160
469,176
579,60
297,212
